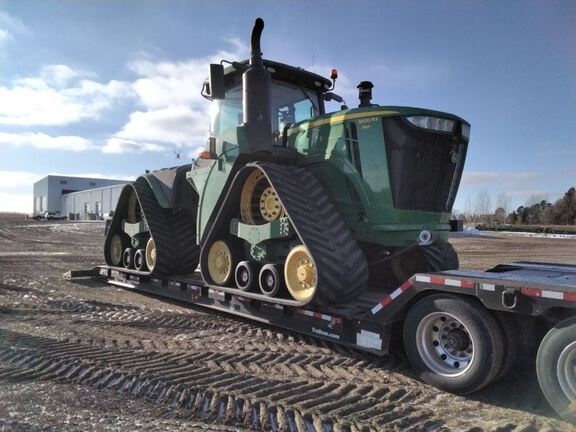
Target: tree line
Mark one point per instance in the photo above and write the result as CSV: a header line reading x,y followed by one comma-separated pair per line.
x,y
538,212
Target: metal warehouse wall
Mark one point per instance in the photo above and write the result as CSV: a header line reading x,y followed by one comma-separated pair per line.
x,y
91,204
50,193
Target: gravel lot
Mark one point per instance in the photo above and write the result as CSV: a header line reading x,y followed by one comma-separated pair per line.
x,y
90,357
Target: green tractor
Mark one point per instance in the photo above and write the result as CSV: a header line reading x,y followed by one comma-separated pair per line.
x,y
296,204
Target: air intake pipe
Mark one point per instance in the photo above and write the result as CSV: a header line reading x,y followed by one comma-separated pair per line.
x,y
256,98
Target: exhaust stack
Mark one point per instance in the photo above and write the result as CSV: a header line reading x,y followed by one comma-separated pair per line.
x,y
256,100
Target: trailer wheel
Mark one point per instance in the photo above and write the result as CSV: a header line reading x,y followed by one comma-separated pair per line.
x,y
453,344
509,330
556,368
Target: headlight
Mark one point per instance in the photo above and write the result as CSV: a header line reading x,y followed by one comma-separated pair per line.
x,y
466,131
434,123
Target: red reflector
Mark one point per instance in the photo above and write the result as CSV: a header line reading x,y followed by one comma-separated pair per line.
x,y
205,155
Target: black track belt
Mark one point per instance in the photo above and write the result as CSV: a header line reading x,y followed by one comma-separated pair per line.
x,y
342,270
174,233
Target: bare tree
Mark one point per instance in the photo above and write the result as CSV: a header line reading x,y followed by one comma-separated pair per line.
x,y
504,202
468,207
483,207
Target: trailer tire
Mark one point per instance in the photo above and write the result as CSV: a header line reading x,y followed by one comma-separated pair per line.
x,y
453,343
556,368
509,329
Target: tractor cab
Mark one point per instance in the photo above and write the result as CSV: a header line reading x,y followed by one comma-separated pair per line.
x,y
295,95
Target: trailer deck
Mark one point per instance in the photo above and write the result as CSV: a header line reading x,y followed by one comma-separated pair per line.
x,y
365,323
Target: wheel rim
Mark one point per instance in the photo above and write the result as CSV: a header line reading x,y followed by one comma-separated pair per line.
x,y
566,369
270,207
269,280
259,202
150,254
128,258
444,344
219,262
244,276
300,274
139,259
116,250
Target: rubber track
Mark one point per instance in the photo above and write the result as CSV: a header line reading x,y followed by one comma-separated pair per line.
x,y
341,266
174,234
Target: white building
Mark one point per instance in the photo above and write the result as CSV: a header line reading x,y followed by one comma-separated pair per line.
x,y
76,197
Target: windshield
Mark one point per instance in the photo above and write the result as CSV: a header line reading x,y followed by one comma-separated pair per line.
x,y
290,104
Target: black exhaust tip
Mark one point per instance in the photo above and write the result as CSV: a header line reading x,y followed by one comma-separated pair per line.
x,y
255,51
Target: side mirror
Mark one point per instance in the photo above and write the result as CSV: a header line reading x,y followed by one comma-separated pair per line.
x,y
216,86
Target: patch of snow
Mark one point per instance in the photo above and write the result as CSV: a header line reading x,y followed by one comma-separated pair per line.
x,y
540,235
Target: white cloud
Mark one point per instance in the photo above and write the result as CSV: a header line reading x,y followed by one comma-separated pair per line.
x,y
173,113
58,96
119,145
43,141
16,202
16,179
178,125
4,36
11,26
164,83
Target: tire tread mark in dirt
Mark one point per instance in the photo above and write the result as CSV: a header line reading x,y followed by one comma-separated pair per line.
x,y
172,378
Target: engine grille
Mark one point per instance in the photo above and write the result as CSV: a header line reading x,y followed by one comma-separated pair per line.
x,y
425,167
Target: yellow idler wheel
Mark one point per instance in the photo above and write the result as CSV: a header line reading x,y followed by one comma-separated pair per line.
x,y
116,250
300,274
150,254
220,265
259,202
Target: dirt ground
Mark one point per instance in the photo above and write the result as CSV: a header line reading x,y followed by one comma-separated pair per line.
x,y
91,357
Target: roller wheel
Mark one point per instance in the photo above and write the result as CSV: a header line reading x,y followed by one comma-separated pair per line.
x,y
150,254
270,280
128,258
453,343
220,262
556,368
244,275
259,202
140,260
300,274
118,243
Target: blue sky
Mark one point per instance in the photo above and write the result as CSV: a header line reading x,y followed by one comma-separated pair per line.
x,y
110,88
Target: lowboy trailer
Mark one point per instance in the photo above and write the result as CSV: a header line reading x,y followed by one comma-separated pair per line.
x,y
458,326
